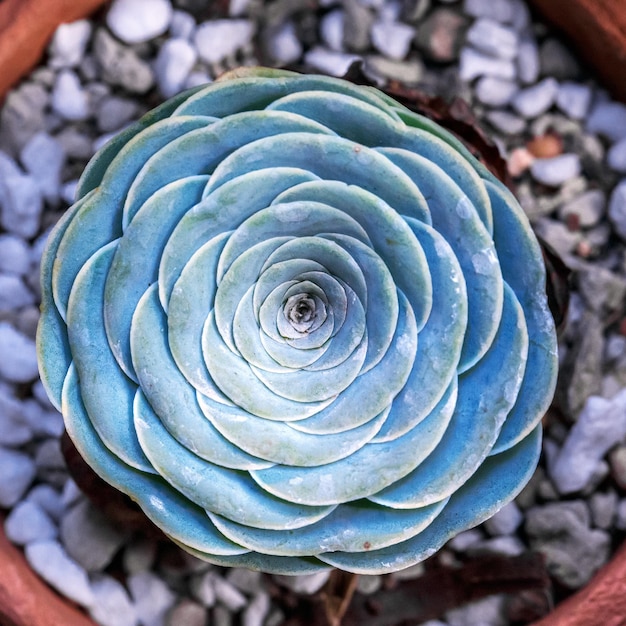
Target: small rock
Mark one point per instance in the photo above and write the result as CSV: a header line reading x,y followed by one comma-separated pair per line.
x,y
602,290
608,119
111,605
88,536
245,580
187,613
519,160
69,44
357,26
14,431
493,39
506,122
528,61
175,60
197,79
23,114
574,99
43,158
495,92
415,10
617,209
136,21
257,610
203,588
331,29
393,39
53,564
560,531
217,39
603,507
228,595
533,101
440,36
620,518
464,540
304,583
617,463
43,422
474,63
182,25
13,293
19,355
506,545
600,426
329,62
616,156
283,45
221,616
410,573
409,72
506,521
499,10
152,597
545,146
71,493
68,98
139,556
27,523
557,61
563,240
368,585
75,144
588,208
557,170
14,255
121,65
48,499
114,112
486,612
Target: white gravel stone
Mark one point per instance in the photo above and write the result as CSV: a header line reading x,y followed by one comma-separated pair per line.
x,y
135,21
495,92
228,595
506,122
71,494
69,43
44,422
19,355
245,580
257,610
283,46
218,39
574,99
17,470
14,431
175,60
329,62
47,498
43,158
196,79
331,29
616,156
486,612
68,191
493,39
69,99
88,537
304,583
499,10
617,208
556,170
465,539
114,112
152,598
111,604
27,523
393,39
474,63
600,425
608,119
589,208
533,101
14,294
506,521
183,25
49,456
528,64
14,255
53,564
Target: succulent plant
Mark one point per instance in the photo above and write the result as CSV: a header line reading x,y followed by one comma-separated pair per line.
x,y
300,325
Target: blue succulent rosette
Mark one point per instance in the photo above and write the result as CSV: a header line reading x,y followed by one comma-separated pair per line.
x,y
300,325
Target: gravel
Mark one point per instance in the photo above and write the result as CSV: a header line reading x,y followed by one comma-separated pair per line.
x,y
565,142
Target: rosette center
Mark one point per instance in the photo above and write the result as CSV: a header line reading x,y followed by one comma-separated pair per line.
x,y
305,312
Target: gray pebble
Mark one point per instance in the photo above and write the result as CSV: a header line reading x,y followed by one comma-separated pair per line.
x,y
474,63
27,523
44,422
203,588
19,355
499,10
152,598
114,112
558,235
603,507
493,38
617,208
608,119
368,584
228,595
182,25
53,564
357,25
88,537
528,60
221,616
557,61
506,122
533,101
111,605
304,583
76,144
43,158
588,208
14,294
465,540
21,203
69,99
560,531
47,498
495,92
393,39
23,114
409,71
245,580
136,21
139,556
506,545
187,613
415,10
556,170
69,43
616,156
506,521
14,255
283,45
329,62
602,290
173,64
486,612
600,426
441,35
14,430
121,65
574,99
256,612
218,39
71,494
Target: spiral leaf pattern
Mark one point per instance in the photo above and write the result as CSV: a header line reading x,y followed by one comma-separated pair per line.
x,y
300,325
